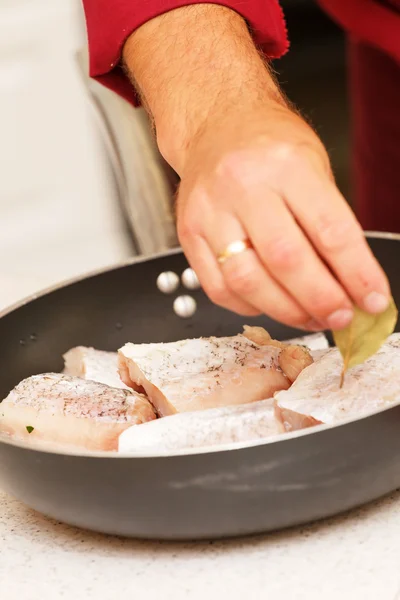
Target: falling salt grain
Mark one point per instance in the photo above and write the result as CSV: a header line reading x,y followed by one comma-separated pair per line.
x,y
167,282
185,306
190,279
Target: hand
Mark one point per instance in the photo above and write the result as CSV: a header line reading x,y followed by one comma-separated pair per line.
x,y
265,175
250,167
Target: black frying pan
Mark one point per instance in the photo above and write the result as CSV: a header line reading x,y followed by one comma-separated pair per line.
x,y
207,495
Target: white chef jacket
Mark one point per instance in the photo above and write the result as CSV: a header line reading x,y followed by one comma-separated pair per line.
x,y
59,209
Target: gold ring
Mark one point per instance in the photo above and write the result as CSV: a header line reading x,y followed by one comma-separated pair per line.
x,y
233,249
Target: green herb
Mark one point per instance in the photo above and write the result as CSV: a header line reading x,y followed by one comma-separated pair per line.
x,y
29,428
364,336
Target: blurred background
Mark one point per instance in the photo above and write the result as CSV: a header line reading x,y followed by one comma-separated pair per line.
x,y
313,74
82,185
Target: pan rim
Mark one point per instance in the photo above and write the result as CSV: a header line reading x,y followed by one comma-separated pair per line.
x,y
87,275
229,447
131,261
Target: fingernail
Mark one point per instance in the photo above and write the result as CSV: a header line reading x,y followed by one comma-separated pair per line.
x,y
313,325
375,302
340,318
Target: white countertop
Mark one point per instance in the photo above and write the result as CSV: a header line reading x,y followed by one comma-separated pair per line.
x,y
356,556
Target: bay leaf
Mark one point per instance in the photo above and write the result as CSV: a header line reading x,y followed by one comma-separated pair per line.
x,y
364,336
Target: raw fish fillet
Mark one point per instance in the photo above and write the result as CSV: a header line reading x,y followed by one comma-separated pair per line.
x,y
260,336
71,412
315,342
292,358
213,427
316,397
197,374
96,365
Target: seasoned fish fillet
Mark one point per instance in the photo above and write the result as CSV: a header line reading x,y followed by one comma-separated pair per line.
x,y
292,358
197,374
260,336
317,398
102,366
213,427
315,342
96,365
71,412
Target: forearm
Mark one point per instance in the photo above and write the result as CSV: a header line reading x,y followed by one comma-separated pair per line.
x,y
192,64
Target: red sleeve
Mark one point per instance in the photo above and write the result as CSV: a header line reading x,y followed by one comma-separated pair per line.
x,y
376,23
110,22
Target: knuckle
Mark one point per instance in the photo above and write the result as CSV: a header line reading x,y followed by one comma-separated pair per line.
x,y
283,157
236,168
187,228
282,254
284,152
268,162
338,234
192,212
229,164
242,280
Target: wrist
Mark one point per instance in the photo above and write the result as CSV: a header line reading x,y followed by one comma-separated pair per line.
x,y
195,67
197,116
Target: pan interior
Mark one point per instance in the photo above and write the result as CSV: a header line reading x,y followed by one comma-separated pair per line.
x,y
124,304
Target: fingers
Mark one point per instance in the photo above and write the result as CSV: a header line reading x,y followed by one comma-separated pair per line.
x,y
247,278
333,229
211,279
289,257
310,261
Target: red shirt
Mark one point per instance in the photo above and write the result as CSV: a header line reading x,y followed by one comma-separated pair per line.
x,y
110,22
376,22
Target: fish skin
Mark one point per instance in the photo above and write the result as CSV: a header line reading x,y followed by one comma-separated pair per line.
x,y
208,428
202,373
316,397
96,365
67,412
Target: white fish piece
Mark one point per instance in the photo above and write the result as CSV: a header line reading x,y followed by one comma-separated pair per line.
x,y
97,365
314,342
292,358
208,428
70,412
198,374
316,397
